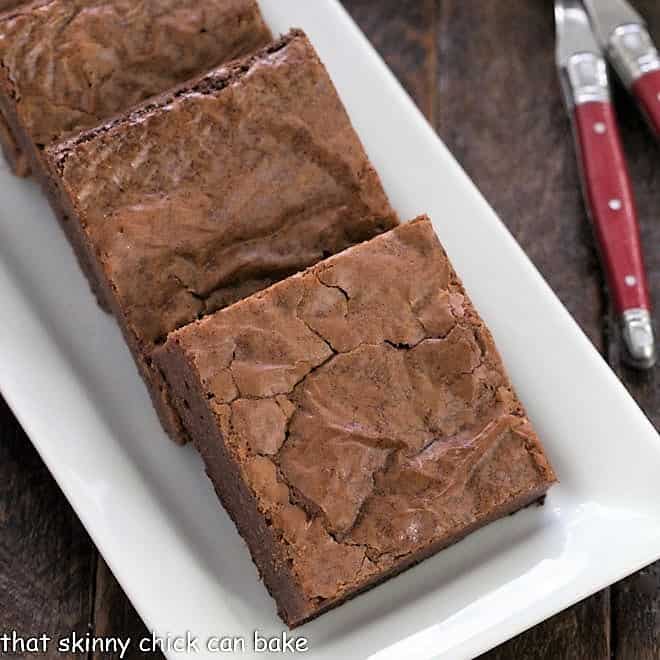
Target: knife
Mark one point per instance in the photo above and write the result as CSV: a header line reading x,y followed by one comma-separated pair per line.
x,y
623,36
606,183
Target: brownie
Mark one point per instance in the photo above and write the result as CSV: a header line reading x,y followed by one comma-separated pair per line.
x,y
67,65
208,194
355,419
6,5
18,162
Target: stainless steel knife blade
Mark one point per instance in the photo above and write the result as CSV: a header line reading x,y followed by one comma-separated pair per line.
x,y
574,33
580,60
608,15
622,34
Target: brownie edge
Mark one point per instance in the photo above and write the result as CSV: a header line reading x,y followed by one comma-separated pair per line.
x,y
354,419
67,65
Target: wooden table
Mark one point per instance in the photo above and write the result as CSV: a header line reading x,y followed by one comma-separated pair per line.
x,y
482,71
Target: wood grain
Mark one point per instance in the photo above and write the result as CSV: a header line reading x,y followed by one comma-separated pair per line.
x,y
578,633
46,558
115,616
404,35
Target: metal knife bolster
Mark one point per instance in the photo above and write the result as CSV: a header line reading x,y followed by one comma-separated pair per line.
x,y
632,53
638,337
584,79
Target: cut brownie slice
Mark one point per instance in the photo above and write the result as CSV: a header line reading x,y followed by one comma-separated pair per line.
x,y
6,5
355,419
205,195
66,65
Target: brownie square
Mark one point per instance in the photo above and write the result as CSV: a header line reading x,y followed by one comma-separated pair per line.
x,y
355,419
67,65
214,191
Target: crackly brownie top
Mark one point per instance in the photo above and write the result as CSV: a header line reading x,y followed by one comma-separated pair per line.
x,y
73,63
367,407
250,174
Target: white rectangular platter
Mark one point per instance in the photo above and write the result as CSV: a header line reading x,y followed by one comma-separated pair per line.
x,y
69,378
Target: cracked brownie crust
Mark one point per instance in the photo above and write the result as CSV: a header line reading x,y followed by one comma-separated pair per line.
x,y
67,65
214,191
355,419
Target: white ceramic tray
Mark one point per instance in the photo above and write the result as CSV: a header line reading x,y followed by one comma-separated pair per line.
x,y
67,375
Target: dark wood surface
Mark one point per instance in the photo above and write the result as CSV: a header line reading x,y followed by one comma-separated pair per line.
x,y
483,74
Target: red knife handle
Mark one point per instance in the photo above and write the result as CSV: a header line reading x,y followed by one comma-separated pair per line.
x,y
646,90
611,204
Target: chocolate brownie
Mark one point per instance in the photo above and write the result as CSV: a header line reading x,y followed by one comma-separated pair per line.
x,y
355,419
208,194
6,5
67,65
